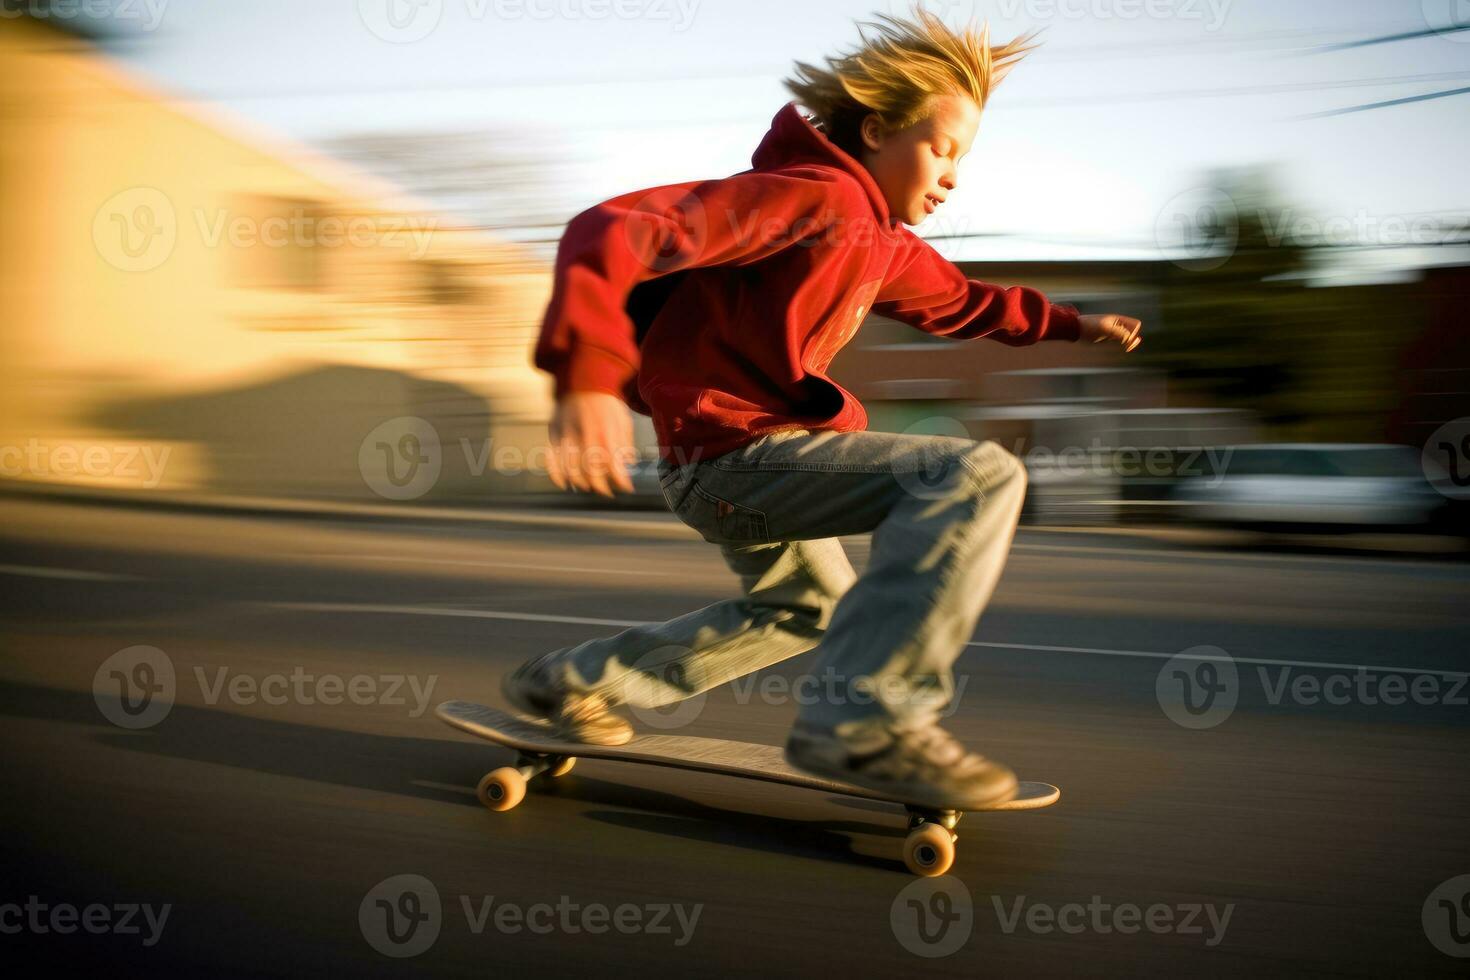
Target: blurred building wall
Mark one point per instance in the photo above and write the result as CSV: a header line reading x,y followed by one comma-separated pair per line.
x,y
175,281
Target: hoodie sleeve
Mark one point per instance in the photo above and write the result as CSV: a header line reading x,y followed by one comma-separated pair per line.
x,y
588,341
929,292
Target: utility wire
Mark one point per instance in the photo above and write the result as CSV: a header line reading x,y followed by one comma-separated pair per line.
x,y
1383,105
1161,48
1387,39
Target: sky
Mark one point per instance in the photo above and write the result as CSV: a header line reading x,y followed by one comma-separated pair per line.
x,y
1089,148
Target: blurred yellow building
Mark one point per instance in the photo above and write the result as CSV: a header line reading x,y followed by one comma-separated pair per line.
x,y
179,287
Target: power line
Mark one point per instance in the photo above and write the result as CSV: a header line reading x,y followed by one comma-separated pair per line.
x,y
1066,101
1389,38
1383,105
1161,48
1242,90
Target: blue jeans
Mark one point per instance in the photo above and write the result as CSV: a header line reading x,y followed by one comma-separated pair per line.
x,y
942,511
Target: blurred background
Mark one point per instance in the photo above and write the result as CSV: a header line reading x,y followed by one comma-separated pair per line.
x,y
270,276
271,250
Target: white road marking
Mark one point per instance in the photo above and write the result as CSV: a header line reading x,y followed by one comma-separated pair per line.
x,y
354,607
495,564
73,574
1154,655
446,611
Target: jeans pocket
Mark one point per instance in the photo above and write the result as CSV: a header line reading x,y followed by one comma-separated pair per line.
x,y
675,492
731,521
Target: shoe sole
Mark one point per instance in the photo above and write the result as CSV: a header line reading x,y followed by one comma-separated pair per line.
x,y
912,794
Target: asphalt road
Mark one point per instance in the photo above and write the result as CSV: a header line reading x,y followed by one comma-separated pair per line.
x,y
1314,824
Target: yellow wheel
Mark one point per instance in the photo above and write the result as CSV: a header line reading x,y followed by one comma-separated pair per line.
x,y
502,789
928,850
562,767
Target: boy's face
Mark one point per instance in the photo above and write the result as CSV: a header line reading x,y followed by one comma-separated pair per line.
x,y
916,168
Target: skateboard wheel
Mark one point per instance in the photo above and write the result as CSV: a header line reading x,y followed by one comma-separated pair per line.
x,y
928,850
562,766
502,789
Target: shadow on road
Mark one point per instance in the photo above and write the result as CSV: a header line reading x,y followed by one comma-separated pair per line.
x,y
432,768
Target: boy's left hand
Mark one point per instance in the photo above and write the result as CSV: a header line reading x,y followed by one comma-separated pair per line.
x,y
1098,327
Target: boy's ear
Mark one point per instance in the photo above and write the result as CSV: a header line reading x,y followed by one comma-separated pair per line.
x,y
870,130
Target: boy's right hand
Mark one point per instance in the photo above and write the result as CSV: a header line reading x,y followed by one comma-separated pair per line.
x,y
591,442
1098,328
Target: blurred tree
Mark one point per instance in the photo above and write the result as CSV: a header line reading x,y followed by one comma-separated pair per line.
x,y
1247,329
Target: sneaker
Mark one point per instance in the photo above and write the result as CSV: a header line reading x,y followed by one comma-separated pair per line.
x,y
539,691
924,766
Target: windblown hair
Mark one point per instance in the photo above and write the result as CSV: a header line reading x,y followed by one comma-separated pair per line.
x,y
895,73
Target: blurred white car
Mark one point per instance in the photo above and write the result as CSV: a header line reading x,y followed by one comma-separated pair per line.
x,y
1314,485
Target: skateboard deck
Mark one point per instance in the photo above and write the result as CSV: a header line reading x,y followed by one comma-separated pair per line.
x,y
928,851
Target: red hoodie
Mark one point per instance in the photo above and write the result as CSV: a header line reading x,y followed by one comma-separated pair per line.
x,y
716,306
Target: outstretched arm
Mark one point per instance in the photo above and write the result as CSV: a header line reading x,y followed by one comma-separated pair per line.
x,y
930,293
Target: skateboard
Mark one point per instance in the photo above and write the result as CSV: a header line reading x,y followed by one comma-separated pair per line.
x,y
928,850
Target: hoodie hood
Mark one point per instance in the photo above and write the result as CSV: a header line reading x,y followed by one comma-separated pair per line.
x,y
792,140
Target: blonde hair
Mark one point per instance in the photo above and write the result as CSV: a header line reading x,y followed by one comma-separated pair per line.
x,y
896,73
